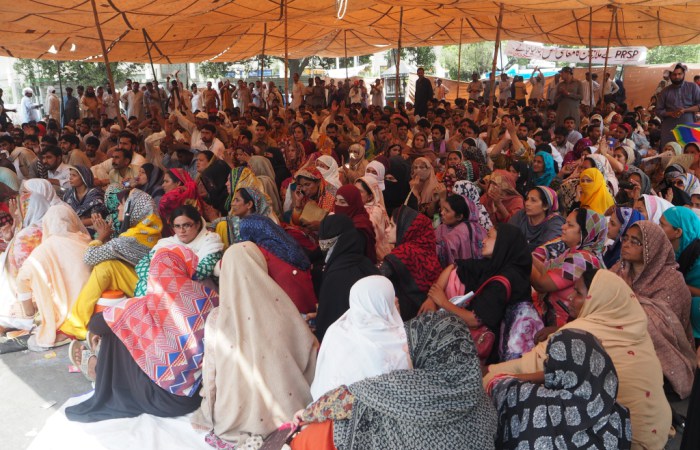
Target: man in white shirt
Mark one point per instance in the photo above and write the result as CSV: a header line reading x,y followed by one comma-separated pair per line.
x,y
297,92
475,88
609,86
54,104
193,126
196,99
29,110
58,172
210,142
134,100
589,97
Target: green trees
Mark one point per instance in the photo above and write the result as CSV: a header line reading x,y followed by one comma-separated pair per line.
x,y
42,72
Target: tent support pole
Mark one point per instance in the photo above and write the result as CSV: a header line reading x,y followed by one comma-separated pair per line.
x,y
60,90
106,58
345,35
286,57
459,57
492,78
262,57
605,66
590,58
150,58
398,62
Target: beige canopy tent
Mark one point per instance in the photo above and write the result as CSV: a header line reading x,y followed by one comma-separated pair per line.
x,y
190,31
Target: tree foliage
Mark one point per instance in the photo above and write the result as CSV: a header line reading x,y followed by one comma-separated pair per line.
x,y
476,57
42,72
417,56
682,53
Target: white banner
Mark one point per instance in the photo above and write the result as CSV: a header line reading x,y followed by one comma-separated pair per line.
x,y
617,55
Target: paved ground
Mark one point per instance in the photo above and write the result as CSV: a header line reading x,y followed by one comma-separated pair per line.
x,y
34,385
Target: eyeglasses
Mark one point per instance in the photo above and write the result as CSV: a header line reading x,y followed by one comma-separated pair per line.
x,y
632,240
183,226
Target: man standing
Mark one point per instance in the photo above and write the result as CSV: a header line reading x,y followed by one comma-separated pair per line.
x,y
29,110
211,99
151,99
297,92
568,97
377,91
134,98
423,93
677,103
590,96
71,110
504,89
54,104
244,96
196,99
91,104
440,90
475,88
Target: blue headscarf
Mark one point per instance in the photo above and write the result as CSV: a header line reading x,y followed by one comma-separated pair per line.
x,y
549,173
685,219
267,234
626,216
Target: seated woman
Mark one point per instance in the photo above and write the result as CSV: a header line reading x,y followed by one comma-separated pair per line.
x,y
179,190
368,340
373,200
377,170
426,190
413,265
211,185
682,227
245,202
594,192
311,188
501,199
329,169
577,370
648,265
539,221
460,234
233,402
150,351
441,393
503,304
556,270
543,168
652,207
287,263
606,307
83,196
204,159
113,259
346,263
348,201
24,234
191,231
396,183
470,192
47,285
621,219
150,181
262,168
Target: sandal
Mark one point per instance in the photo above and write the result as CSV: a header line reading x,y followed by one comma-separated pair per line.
x,y
92,341
85,357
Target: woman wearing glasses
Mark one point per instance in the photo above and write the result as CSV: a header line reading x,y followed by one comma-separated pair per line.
x,y
648,265
189,230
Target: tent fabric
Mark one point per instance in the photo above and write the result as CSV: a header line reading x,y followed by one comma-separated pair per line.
x,y
192,31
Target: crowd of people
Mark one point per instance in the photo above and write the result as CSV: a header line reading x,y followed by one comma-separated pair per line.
x,y
524,274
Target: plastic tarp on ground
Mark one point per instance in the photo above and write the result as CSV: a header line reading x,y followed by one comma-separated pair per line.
x,y
230,30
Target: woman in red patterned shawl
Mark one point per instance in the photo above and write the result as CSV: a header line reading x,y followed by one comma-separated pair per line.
x,y
151,347
180,189
413,265
348,201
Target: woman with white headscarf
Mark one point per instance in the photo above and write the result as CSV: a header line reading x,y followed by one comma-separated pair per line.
x,y
378,171
329,169
368,340
36,196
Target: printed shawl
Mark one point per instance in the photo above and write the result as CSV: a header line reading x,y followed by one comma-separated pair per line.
x,y
164,330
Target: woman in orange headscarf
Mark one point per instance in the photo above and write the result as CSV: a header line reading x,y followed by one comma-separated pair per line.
x,y
594,191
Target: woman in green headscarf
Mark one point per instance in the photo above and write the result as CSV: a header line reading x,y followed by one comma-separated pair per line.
x,y
682,226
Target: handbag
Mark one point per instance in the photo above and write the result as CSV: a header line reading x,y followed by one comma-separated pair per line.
x,y
482,336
